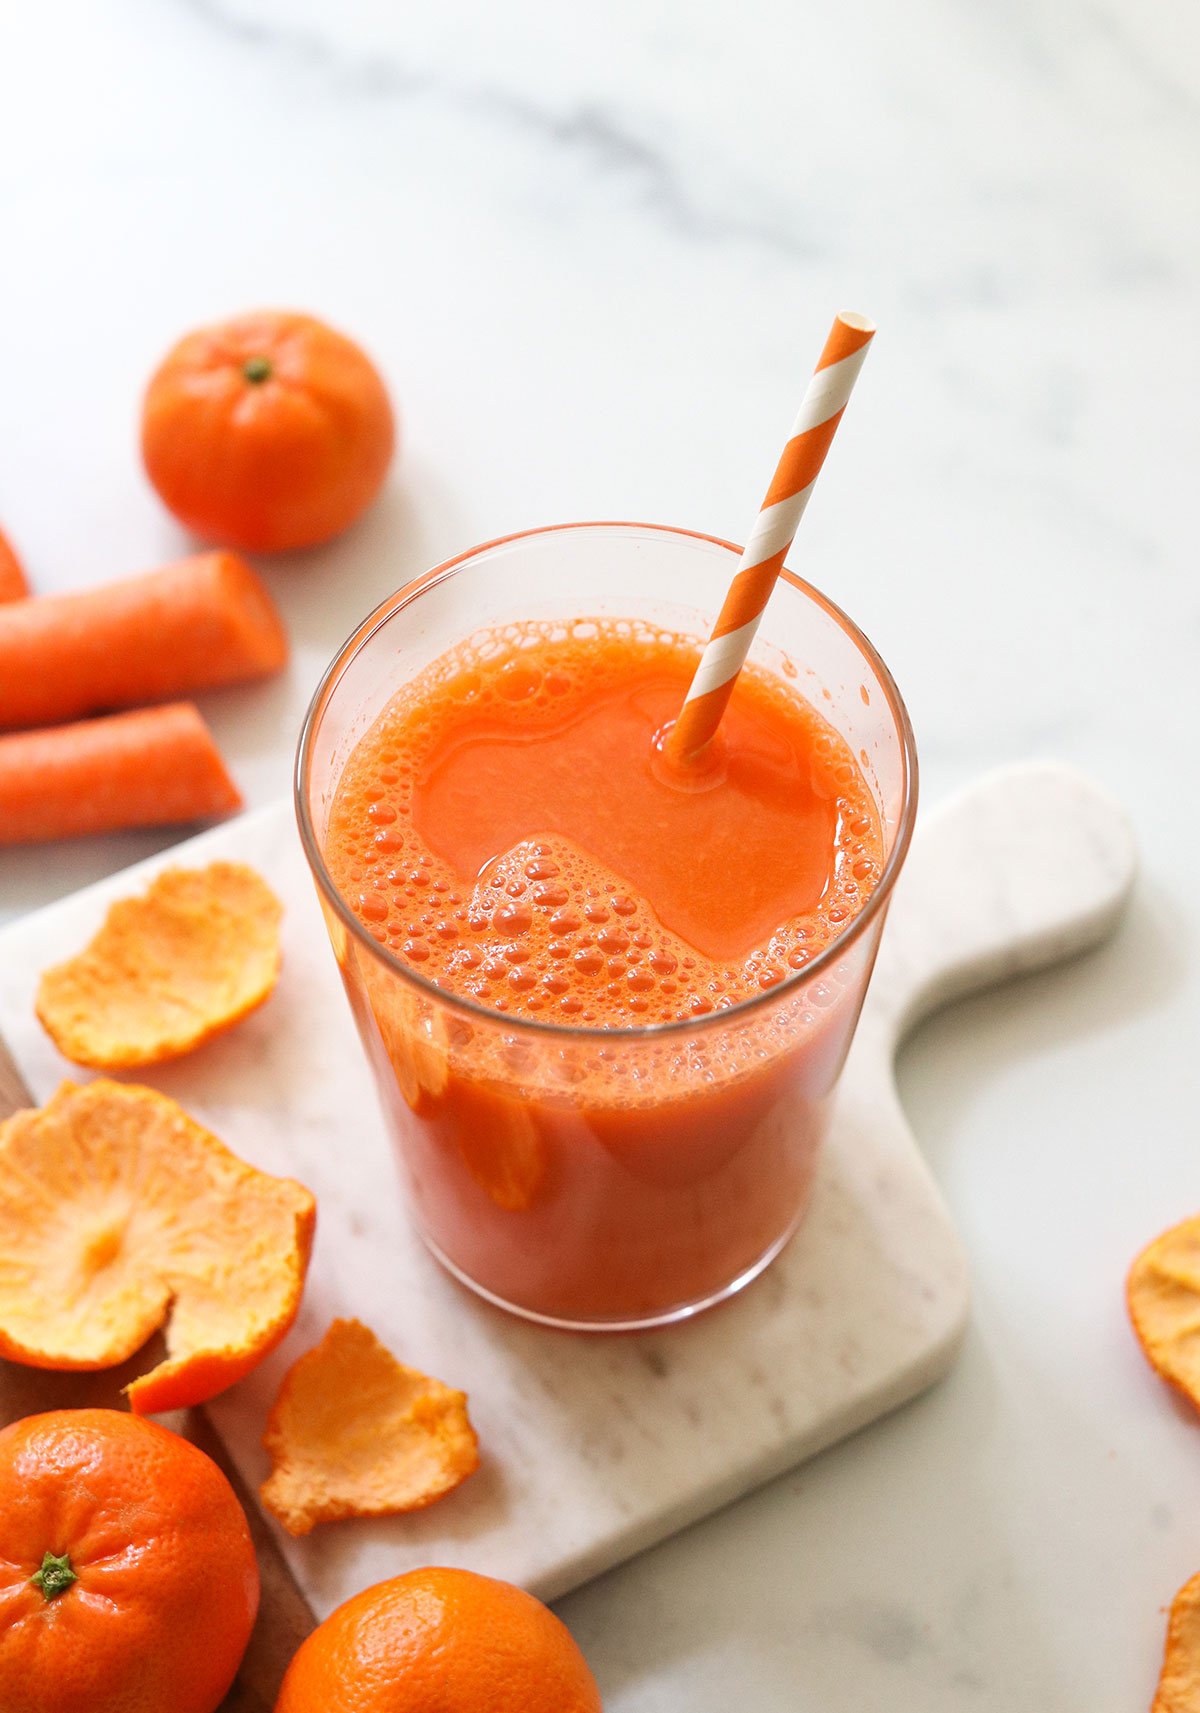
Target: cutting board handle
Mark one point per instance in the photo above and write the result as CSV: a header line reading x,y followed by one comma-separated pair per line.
x,y
1030,865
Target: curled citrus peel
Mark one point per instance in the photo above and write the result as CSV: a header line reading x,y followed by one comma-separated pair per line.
x,y
167,970
354,1433
1179,1684
120,1215
1163,1293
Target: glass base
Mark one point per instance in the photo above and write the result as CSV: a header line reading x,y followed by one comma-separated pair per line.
x,y
622,1323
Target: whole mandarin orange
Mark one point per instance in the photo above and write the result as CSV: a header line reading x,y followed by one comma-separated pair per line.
x,y
128,1582
440,1641
13,584
268,431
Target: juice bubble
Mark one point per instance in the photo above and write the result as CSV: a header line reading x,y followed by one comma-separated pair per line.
x,y
612,940
549,897
512,919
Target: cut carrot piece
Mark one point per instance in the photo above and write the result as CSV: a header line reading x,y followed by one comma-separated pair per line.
x,y
1179,1684
203,622
1163,1293
119,1215
354,1433
152,768
167,971
14,585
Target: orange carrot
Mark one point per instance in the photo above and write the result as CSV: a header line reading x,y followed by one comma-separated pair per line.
x,y
202,622
147,769
13,584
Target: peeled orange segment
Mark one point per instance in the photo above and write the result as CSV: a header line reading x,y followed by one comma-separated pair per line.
x,y
1179,1684
414,1040
1163,1292
120,1215
503,1149
500,1144
354,1433
168,970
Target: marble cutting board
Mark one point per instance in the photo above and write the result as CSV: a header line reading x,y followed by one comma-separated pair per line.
x,y
595,1447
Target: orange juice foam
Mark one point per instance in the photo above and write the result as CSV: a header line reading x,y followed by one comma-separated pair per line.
x,y
510,830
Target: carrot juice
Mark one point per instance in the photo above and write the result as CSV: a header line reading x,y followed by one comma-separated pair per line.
x,y
606,1070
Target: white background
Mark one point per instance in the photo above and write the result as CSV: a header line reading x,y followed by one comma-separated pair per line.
x,y
595,250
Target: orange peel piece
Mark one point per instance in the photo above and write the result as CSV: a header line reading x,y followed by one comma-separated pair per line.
x,y
1179,1683
1163,1294
167,970
354,1433
120,1215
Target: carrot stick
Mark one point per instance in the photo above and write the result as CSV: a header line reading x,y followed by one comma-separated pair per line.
x,y
13,584
202,622
146,769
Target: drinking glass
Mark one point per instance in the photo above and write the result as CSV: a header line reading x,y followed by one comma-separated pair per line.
x,y
607,1178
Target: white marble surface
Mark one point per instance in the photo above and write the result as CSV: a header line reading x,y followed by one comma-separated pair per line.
x,y
594,252
594,1449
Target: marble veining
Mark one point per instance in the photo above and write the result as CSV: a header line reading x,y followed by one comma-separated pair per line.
x,y
602,142
372,75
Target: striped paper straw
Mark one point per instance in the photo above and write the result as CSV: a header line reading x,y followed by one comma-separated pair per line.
x,y
776,524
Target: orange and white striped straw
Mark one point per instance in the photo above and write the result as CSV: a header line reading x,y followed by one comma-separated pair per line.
x,y
776,524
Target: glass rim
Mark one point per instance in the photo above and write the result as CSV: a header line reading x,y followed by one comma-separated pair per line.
x,y
473,1008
